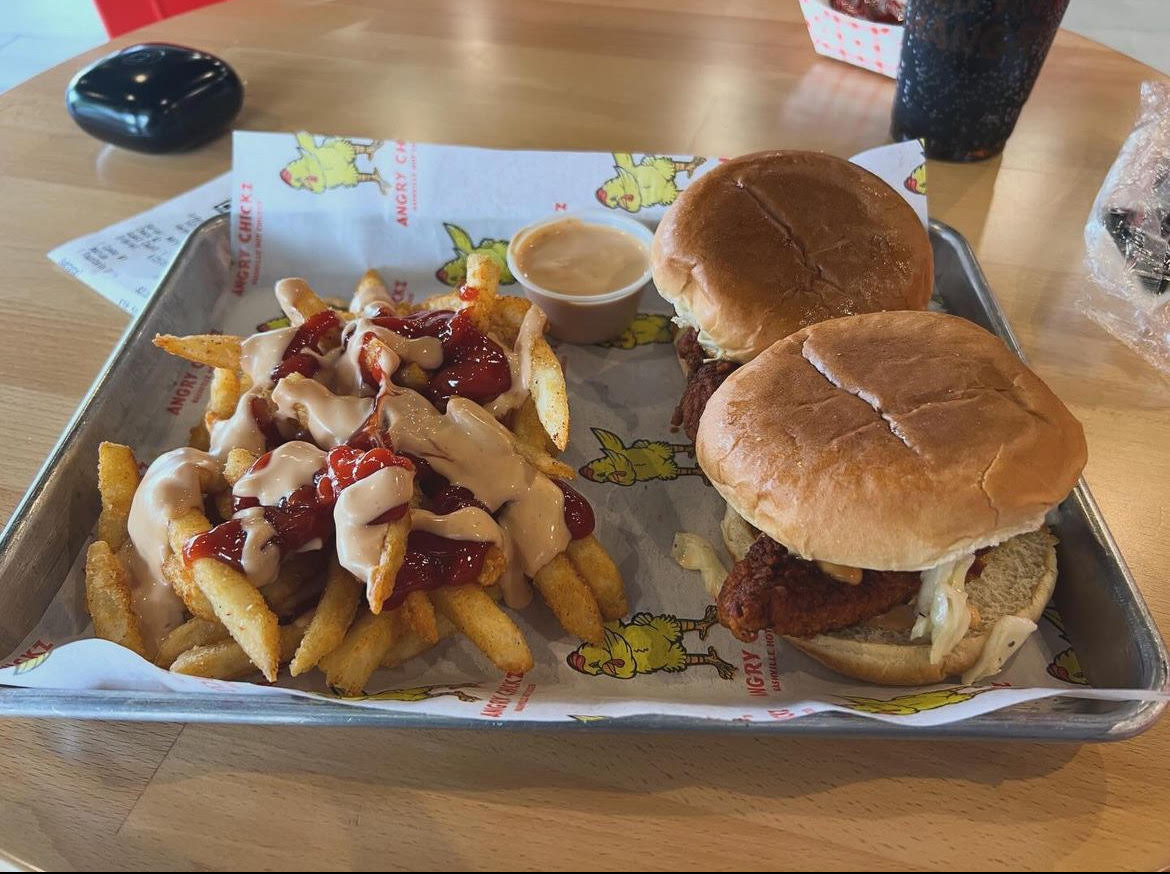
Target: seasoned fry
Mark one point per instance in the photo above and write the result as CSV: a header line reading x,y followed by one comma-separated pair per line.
x,y
226,660
109,599
494,565
369,288
420,614
298,301
549,394
368,640
334,614
570,599
192,633
407,644
117,482
472,610
544,462
233,599
480,290
224,505
222,396
529,430
183,584
439,302
507,316
601,575
175,569
389,563
214,350
237,464
297,584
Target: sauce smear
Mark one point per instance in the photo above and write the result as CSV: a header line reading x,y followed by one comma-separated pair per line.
x,y
579,258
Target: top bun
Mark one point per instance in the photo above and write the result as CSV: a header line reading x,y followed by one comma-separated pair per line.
x,y
892,441
766,244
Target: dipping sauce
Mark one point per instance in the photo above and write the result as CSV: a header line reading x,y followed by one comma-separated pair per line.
x,y
580,258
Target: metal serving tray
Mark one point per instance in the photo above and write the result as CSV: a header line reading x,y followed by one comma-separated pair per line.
x,y
1105,616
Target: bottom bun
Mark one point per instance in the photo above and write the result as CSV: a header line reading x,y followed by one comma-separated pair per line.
x,y
1018,579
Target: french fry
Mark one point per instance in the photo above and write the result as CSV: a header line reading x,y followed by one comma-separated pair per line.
x,y
389,563
192,633
183,584
222,396
334,615
109,599
602,576
480,290
199,438
226,659
175,570
234,600
529,430
368,640
546,384
439,302
570,599
507,316
494,565
420,614
298,301
544,462
117,482
238,462
371,287
296,585
407,644
224,505
472,610
214,350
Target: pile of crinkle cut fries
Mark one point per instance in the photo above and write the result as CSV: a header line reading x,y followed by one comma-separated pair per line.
x,y
365,483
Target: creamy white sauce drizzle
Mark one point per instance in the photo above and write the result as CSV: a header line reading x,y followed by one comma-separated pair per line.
x,y
260,557
471,449
331,419
290,466
519,363
260,353
466,523
359,542
289,294
158,608
240,431
169,488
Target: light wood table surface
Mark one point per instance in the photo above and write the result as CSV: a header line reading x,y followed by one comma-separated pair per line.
x,y
654,75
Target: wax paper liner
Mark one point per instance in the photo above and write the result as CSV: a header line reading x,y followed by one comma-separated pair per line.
x,y
326,208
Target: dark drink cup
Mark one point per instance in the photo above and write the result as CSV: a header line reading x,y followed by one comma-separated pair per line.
x,y
967,68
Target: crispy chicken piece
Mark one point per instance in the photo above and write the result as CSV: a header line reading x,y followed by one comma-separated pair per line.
x,y
771,588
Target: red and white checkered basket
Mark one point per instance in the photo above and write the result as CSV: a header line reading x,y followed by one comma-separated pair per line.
x,y
855,41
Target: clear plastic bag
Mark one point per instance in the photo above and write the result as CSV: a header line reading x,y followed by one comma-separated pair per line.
x,y
1127,237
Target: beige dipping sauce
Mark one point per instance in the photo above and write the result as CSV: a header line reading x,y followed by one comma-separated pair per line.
x,y
575,257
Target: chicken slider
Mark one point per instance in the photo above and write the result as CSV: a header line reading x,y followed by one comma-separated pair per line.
x,y
898,468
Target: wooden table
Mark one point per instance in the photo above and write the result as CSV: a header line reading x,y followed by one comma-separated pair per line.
x,y
645,75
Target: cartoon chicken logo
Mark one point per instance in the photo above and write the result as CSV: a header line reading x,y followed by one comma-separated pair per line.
x,y
332,163
653,181
916,181
646,328
641,461
454,272
1065,665
906,705
648,644
421,693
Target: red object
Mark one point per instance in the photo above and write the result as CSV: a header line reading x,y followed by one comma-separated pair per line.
x,y
123,16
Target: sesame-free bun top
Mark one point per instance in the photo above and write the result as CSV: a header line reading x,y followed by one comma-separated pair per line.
x,y
891,441
768,243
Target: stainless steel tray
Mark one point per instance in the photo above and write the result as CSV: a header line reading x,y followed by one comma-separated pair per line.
x,y
1105,616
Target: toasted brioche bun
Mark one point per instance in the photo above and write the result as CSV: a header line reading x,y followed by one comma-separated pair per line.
x,y
890,441
1017,580
768,243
